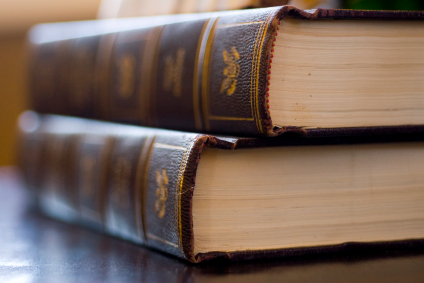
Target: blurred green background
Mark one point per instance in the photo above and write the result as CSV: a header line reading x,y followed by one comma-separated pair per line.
x,y
384,4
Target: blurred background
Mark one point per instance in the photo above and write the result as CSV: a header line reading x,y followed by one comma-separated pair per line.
x,y
17,16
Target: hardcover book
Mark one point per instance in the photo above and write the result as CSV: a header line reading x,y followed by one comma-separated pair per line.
x,y
249,72
200,196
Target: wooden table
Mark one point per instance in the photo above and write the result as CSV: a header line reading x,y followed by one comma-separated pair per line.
x,y
35,248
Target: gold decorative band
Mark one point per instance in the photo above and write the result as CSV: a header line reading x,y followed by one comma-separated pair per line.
x,y
145,83
208,39
254,78
197,73
156,238
141,186
179,187
168,146
230,118
102,75
238,24
151,70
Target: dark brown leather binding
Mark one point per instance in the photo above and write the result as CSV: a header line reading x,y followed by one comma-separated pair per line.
x,y
137,183
201,72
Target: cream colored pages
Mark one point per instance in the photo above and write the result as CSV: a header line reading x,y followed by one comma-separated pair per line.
x,y
344,73
290,197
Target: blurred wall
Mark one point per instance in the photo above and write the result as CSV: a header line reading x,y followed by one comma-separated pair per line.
x,y
16,16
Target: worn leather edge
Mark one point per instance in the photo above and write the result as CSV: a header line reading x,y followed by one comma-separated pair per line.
x,y
336,14
188,186
307,251
351,131
228,143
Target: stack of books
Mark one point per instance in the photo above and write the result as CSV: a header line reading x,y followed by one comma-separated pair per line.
x,y
282,131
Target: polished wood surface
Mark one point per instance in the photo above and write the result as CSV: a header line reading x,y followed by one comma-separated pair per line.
x,y
35,248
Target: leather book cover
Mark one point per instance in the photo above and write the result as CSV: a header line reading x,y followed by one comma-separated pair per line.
x,y
201,72
137,183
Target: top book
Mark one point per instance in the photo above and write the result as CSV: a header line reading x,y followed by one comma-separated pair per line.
x,y
250,72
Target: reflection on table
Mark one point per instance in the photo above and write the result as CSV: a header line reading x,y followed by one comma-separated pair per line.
x,y
35,248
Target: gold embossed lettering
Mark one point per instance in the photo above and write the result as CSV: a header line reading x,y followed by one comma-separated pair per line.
x,y
121,182
161,192
126,70
172,79
231,71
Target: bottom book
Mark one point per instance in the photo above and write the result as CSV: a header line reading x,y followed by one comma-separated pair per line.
x,y
200,197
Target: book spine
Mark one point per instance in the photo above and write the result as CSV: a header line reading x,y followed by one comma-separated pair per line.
x,y
127,181
209,74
